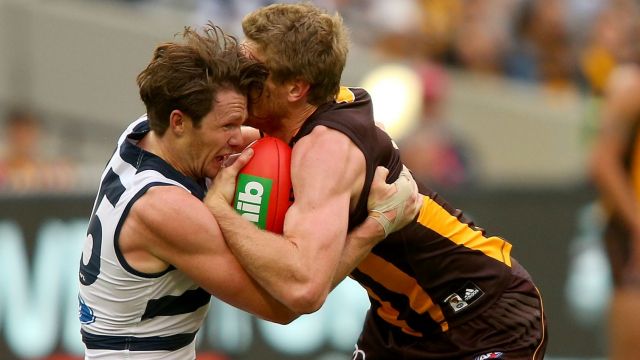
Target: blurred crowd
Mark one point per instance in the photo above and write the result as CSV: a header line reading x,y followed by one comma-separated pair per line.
x,y
558,45
26,165
561,44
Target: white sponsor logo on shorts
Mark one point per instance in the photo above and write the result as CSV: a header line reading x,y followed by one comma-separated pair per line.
x,y
455,301
359,354
491,355
469,293
463,297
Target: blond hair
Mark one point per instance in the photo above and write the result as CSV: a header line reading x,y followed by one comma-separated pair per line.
x,y
301,41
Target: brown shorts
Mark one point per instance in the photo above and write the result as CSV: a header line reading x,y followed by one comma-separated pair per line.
x,y
514,327
618,244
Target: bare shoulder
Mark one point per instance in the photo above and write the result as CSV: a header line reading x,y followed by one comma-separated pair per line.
x,y
162,203
322,139
325,147
171,217
327,161
622,97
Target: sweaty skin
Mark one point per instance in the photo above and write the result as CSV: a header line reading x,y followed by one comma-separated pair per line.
x,y
150,243
301,266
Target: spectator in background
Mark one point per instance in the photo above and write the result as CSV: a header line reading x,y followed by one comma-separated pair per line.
x,y
226,13
615,166
23,168
394,25
438,26
520,61
610,41
611,64
431,151
543,27
549,31
482,37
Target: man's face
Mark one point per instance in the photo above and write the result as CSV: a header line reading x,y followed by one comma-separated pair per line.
x,y
218,135
271,102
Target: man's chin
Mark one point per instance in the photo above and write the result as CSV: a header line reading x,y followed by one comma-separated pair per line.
x,y
213,171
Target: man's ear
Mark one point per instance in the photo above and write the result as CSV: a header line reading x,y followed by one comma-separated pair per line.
x,y
177,120
297,90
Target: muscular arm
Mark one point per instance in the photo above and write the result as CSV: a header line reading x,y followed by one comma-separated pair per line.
x,y
391,207
299,267
359,243
176,228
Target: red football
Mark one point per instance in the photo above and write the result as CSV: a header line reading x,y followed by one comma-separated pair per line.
x,y
263,189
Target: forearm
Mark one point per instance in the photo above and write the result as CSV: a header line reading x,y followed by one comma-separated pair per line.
x,y
359,243
236,287
398,209
274,261
263,305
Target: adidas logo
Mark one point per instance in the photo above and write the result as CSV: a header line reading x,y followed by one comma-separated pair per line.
x,y
464,296
470,293
491,355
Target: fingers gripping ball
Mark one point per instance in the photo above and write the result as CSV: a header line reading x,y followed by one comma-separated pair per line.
x,y
263,190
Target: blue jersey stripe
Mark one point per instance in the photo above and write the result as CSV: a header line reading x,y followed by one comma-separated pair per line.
x,y
112,187
134,343
189,301
116,236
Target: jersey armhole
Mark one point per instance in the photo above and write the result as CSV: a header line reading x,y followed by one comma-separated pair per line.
x,y
116,236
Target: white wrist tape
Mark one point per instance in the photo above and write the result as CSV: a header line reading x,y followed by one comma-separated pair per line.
x,y
405,188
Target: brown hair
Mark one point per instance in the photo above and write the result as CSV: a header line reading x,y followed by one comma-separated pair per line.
x,y
186,76
301,41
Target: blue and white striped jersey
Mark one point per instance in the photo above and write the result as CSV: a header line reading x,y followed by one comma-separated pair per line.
x,y
125,313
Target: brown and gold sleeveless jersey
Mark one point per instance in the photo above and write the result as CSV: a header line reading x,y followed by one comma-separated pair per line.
x,y
439,270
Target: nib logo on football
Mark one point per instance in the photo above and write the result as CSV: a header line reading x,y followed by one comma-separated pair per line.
x,y
252,198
